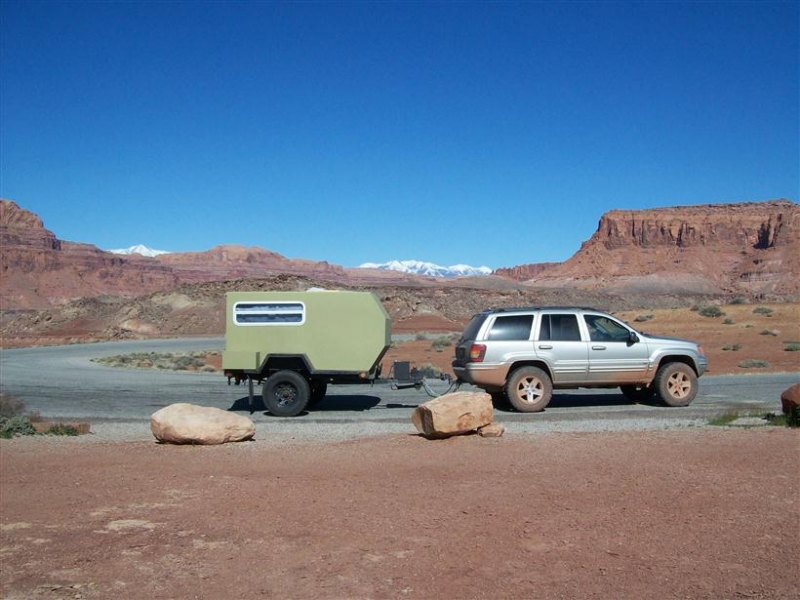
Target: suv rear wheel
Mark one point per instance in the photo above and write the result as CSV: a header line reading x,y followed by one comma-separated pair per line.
x,y
676,384
529,389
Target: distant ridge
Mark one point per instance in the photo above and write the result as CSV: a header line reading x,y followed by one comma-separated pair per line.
x,y
140,250
427,269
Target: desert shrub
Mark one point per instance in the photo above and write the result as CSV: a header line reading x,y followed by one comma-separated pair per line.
x,y
154,360
769,332
738,300
792,419
711,311
62,429
695,308
728,321
642,318
442,342
430,371
762,310
753,363
733,348
420,337
15,426
792,347
10,406
723,419
183,363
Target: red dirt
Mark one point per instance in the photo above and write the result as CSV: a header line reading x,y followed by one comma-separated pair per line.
x,y
702,513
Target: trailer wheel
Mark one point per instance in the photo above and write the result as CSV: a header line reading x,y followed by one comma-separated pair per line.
x,y
286,393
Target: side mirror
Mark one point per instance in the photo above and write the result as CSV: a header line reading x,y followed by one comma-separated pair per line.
x,y
633,338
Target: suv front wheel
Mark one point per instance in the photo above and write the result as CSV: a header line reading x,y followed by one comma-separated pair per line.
x,y
676,384
529,389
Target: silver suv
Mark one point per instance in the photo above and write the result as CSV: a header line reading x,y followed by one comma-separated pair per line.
x,y
522,354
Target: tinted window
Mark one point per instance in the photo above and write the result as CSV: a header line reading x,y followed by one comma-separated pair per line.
x,y
512,327
562,328
471,332
603,329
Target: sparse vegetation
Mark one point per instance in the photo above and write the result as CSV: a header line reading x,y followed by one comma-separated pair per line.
x,y
792,347
442,342
185,361
10,406
790,420
769,332
62,429
728,321
724,419
711,311
430,371
15,426
643,318
728,418
732,348
13,423
753,363
763,310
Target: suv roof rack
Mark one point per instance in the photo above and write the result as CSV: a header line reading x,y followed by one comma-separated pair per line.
x,y
527,308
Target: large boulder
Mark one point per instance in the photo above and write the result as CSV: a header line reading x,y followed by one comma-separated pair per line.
x,y
453,414
189,424
790,399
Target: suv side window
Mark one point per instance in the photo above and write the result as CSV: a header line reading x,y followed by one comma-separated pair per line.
x,y
511,327
559,328
603,329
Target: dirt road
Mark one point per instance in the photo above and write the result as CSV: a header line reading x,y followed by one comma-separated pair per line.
x,y
684,513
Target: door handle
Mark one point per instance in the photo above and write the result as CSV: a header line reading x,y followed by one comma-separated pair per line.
x,y
598,347
545,347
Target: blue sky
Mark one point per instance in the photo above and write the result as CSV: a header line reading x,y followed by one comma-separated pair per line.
x,y
485,133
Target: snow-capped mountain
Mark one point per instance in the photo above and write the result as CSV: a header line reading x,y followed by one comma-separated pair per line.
x,y
139,249
418,267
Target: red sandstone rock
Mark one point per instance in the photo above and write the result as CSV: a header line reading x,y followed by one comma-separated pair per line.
x,y
790,399
453,414
188,424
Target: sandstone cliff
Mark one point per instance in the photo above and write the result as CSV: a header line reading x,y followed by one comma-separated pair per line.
x,y
39,270
746,249
750,248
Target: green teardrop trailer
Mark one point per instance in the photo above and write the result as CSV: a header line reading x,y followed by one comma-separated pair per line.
x,y
296,343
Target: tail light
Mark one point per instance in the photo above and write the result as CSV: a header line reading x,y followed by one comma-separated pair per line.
x,y
477,352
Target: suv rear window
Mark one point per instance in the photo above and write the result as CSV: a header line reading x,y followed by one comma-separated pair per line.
x,y
511,327
471,331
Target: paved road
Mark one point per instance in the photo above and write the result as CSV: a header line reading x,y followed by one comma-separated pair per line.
x,y
62,382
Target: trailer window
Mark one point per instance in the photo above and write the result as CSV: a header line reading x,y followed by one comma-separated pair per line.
x,y
269,313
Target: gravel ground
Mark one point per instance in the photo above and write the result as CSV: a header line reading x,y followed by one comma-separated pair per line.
x,y
681,513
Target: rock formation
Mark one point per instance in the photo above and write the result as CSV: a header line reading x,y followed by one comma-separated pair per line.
x,y
750,248
453,414
189,424
650,257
